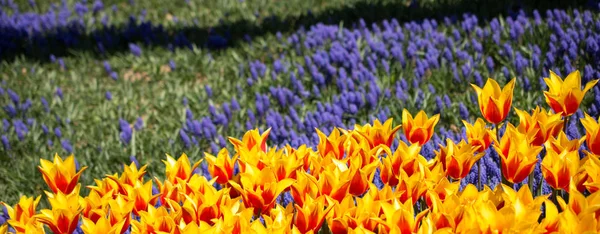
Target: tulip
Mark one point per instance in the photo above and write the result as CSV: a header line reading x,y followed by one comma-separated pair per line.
x,y
332,144
479,135
131,174
305,186
378,133
592,136
592,169
405,157
518,157
420,129
141,195
60,176
221,167
102,225
21,216
181,169
279,220
251,140
260,188
65,212
462,157
400,217
562,143
539,126
565,96
94,206
155,220
494,102
310,217
559,167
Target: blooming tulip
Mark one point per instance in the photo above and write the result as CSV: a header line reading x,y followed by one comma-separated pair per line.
x,y
592,136
518,157
60,175
539,126
479,135
420,128
494,102
565,96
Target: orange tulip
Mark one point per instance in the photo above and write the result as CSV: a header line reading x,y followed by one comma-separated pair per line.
x,y
65,212
21,217
378,133
332,144
260,188
420,129
155,220
479,135
559,167
181,169
592,136
592,169
101,226
407,158
400,217
562,143
518,156
251,140
462,157
221,166
60,175
494,102
565,96
540,125
310,217
141,195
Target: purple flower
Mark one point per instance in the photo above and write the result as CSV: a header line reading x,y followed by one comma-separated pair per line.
x,y
108,96
45,129
98,6
209,91
185,139
107,67
57,132
59,92
135,50
139,124
114,75
172,64
14,97
45,104
134,160
126,132
10,110
5,144
66,145
464,112
447,101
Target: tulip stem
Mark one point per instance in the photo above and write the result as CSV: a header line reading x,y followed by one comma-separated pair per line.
x,y
565,124
499,159
479,175
530,182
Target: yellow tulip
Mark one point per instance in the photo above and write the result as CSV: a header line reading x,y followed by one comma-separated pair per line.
x,y
420,128
559,167
540,125
181,168
479,135
101,226
378,133
462,157
518,157
494,102
60,175
592,136
252,140
565,96
221,166
21,216
64,215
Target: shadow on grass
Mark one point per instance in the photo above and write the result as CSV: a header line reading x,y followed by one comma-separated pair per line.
x,y
110,40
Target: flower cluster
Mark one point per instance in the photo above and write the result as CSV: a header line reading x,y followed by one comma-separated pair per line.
x,y
353,181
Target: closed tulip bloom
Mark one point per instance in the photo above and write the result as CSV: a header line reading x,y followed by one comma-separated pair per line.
x,y
60,175
462,158
103,225
564,96
495,102
540,125
562,143
518,157
418,130
479,135
310,217
559,167
260,188
592,134
592,169
332,144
